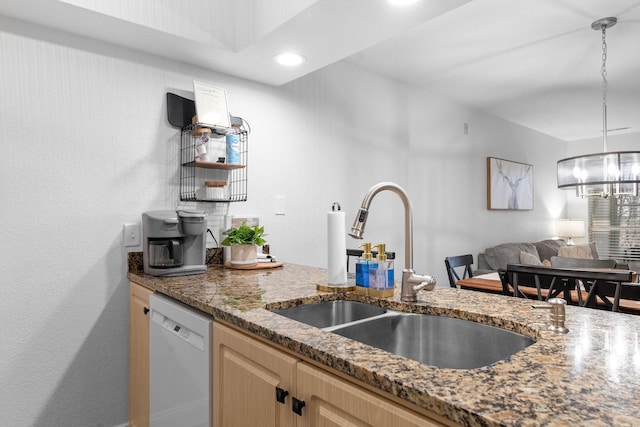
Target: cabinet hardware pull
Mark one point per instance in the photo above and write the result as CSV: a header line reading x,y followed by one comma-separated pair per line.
x,y
146,310
281,394
297,406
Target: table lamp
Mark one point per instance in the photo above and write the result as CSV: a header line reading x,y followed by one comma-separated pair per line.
x,y
570,228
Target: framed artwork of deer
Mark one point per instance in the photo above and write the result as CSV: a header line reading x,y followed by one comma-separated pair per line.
x,y
509,185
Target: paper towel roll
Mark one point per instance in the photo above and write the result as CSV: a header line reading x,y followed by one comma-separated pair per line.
x,y
337,244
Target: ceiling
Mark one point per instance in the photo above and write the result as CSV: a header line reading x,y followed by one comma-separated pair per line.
x,y
533,62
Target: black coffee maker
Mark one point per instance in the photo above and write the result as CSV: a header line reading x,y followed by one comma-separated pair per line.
x,y
174,243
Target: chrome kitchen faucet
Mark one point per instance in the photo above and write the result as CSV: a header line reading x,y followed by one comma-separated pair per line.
x,y
411,282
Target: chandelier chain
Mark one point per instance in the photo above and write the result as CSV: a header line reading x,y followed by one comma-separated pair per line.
x,y
603,70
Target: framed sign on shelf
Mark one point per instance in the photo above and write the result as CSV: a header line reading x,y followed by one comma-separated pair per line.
x,y
509,185
211,105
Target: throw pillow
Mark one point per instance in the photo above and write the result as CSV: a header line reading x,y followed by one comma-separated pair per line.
x,y
529,259
576,251
499,256
548,248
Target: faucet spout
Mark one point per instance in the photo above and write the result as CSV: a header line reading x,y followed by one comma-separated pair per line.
x,y
411,283
357,229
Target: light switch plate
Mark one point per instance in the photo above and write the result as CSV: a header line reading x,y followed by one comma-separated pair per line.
x,y
131,235
278,205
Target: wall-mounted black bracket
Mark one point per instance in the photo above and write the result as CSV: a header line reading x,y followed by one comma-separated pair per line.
x,y
180,111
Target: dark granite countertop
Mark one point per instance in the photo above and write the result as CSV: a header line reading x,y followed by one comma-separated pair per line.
x,y
590,376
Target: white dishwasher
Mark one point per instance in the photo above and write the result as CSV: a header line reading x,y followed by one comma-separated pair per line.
x,y
180,380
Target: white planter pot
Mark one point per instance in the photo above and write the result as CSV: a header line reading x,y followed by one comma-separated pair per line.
x,y
244,255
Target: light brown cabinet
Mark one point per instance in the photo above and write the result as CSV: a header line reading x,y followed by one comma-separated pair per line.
x,y
139,355
330,401
250,377
246,377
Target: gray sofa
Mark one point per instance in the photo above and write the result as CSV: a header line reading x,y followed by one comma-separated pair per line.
x,y
497,257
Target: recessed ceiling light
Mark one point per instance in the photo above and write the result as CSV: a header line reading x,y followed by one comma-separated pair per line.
x,y
289,59
402,2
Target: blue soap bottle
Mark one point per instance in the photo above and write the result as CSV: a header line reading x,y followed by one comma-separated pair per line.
x,y
363,264
382,276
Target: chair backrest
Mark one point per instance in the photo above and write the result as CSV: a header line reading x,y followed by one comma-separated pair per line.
x,y
564,262
610,294
564,280
454,262
539,282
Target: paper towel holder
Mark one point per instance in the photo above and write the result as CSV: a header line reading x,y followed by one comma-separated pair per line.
x,y
346,287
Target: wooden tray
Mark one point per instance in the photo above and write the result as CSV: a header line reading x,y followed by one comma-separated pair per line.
x,y
258,266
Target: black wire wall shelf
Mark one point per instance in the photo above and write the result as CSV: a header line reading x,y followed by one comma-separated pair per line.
x,y
230,178
194,173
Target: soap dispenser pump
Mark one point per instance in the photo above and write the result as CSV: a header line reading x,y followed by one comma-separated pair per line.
x,y
363,264
381,277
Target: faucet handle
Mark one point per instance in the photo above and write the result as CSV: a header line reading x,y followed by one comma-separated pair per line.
x,y
412,283
424,282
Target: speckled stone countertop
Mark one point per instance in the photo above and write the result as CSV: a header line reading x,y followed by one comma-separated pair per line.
x,y
590,376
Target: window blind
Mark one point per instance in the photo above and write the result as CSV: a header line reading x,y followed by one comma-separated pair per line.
x,y
614,225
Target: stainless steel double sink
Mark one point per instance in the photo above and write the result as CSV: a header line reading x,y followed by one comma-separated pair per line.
x,y
444,342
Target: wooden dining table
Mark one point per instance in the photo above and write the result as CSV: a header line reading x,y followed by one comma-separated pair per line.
x,y
486,283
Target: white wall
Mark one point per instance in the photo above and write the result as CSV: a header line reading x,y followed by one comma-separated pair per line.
x,y
87,148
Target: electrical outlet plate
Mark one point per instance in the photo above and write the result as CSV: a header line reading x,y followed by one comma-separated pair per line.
x,y
131,235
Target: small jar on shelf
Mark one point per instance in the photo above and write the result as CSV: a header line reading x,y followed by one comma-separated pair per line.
x,y
201,141
216,190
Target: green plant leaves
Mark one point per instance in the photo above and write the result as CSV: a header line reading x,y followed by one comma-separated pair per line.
x,y
244,235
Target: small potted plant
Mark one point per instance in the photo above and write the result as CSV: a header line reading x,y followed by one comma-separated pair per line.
x,y
244,242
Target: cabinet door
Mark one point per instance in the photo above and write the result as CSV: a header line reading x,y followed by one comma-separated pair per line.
x,y
332,402
246,374
139,355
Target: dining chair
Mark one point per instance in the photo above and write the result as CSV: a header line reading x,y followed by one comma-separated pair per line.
x,y
538,282
582,263
615,296
600,285
463,264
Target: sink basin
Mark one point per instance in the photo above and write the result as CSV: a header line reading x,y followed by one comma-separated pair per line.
x,y
440,341
331,313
